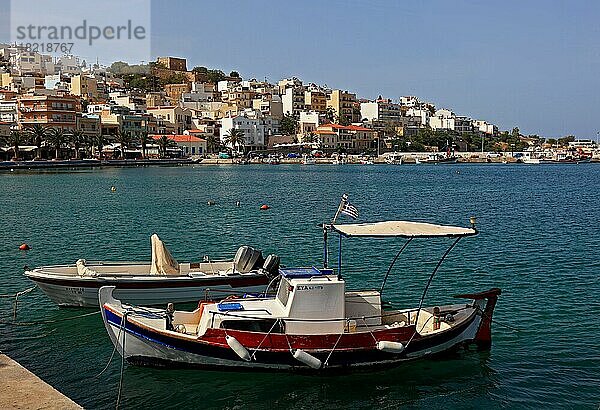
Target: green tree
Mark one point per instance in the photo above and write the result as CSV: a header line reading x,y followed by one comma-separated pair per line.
x,y
234,74
330,114
14,139
235,138
38,134
56,138
144,139
289,124
124,138
212,143
98,142
164,142
79,140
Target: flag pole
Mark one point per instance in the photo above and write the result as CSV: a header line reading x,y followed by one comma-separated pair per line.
x,y
337,213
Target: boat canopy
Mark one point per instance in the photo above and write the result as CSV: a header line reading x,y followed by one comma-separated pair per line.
x,y
403,229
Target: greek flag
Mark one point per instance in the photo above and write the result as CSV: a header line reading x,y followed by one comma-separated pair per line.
x,y
349,210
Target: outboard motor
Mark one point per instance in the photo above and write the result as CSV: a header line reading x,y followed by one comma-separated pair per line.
x,y
246,259
271,265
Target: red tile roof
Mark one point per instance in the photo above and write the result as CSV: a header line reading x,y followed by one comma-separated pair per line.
x,y
345,127
179,138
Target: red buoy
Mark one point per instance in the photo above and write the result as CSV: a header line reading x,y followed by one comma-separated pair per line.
x,y
24,247
264,207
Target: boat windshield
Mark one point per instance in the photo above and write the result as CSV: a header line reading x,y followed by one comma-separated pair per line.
x,y
283,294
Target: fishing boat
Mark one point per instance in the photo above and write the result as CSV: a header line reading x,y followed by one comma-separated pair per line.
x,y
438,159
306,160
159,281
394,158
311,323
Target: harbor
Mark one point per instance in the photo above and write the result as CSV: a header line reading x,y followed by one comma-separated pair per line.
x,y
24,390
530,264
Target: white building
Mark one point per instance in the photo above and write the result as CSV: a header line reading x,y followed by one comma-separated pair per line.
x,y
422,114
485,127
293,100
309,121
442,120
381,110
8,111
256,127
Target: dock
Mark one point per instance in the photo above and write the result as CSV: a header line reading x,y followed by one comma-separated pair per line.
x,y
21,389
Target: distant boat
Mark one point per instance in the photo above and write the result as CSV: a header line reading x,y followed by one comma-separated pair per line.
x,y
306,160
438,159
394,159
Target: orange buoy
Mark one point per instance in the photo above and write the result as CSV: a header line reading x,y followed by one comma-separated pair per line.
x,y
264,207
24,247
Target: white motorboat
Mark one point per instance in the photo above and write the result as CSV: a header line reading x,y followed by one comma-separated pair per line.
x,y
306,160
157,282
394,158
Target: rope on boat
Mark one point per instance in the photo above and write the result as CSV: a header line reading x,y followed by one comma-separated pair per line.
x,y
44,322
113,352
123,324
326,363
264,338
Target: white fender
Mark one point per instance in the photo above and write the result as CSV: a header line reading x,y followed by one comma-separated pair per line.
x,y
237,347
307,359
390,347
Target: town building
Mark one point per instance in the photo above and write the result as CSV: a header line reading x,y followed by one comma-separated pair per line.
x,y
348,138
85,87
177,118
343,103
381,110
315,99
89,124
49,110
293,100
256,127
175,91
187,144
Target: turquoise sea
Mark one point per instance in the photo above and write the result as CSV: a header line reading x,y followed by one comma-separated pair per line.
x,y
539,242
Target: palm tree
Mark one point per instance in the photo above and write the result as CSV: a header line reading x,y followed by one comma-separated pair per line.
x,y
235,138
56,137
98,142
38,133
14,139
79,139
164,142
125,139
144,139
211,143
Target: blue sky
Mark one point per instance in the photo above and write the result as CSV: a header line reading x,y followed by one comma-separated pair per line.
x,y
532,64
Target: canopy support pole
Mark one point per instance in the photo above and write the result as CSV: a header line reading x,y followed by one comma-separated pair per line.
x,y
340,258
325,256
431,278
392,264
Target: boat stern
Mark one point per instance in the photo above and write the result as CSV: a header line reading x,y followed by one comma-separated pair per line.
x,y
483,337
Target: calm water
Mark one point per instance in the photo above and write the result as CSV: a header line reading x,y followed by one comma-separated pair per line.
x,y
539,242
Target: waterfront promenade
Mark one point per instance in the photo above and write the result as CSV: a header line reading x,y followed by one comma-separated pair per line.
x,y
21,389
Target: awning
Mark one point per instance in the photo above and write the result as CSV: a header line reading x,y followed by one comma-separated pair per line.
x,y
403,229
